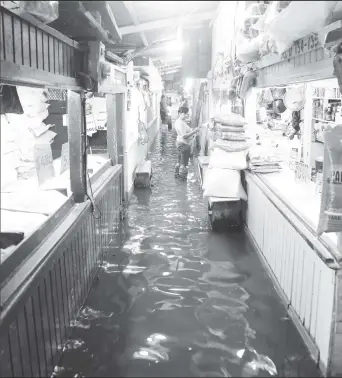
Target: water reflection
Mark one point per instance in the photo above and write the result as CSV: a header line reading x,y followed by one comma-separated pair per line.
x,y
175,299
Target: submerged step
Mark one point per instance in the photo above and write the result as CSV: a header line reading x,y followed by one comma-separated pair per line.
x,y
143,175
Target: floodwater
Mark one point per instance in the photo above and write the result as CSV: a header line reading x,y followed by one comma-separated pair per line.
x,y
175,299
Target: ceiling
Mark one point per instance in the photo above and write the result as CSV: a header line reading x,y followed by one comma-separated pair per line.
x,y
154,27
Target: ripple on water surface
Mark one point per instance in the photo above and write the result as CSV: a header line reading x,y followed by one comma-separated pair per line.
x,y
176,299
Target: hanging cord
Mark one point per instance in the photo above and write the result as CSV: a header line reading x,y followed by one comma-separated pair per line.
x,y
87,177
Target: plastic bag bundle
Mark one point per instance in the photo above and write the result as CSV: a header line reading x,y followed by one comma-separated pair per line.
x,y
297,20
330,217
225,183
252,15
45,11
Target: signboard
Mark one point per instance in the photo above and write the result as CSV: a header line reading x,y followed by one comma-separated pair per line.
x,y
44,162
302,46
65,158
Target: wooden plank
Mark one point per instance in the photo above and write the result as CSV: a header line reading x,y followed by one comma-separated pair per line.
x,y
33,47
14,74
2,42
60,57
51,55
18,54
65,60
77,144
46,52
111,128
26,44
8,36
39,40
43,27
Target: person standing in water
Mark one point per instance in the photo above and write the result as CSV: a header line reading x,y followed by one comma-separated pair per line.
x,y
163,110
183,143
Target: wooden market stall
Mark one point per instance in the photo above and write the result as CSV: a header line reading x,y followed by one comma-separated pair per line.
x,y
282,211
46,277
305,268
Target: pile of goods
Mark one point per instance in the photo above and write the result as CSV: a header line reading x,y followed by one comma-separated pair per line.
x,y
22,130
275,27
262,160
330,217
227,159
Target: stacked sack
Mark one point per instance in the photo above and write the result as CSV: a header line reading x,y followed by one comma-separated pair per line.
x,y
227,159
263,160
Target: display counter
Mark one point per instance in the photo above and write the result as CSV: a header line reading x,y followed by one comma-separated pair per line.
x,y
304,201
305,269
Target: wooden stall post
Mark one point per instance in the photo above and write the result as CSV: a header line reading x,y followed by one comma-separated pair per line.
x,y
77,146
120,122
120,129
112,128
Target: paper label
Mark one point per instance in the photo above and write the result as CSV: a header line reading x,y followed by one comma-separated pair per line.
x,y
44,162
65,157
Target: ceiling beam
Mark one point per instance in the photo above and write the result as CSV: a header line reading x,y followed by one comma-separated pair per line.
x,y
130,8
167,22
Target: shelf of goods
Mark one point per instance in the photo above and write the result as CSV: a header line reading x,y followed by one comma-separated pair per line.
x,y
65,225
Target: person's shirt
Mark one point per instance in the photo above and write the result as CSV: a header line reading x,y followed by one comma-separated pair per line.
x,y
182,128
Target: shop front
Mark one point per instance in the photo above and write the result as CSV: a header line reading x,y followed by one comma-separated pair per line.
x,y
295,102
294,98
142,120
60,191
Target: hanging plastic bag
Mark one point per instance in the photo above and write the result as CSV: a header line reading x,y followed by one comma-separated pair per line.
x,y
298,20
330,218
45,11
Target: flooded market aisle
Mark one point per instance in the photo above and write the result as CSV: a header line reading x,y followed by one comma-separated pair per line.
x,y
176,299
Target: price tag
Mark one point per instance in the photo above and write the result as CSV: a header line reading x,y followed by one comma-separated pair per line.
x,y
44,162
65,157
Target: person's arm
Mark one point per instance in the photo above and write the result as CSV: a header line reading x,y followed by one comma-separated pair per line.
x,y
191,133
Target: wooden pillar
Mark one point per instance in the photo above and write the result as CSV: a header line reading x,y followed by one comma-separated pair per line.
x,y
112,128
77,145
120,125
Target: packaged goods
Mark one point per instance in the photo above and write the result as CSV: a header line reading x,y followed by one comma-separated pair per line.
x,y
227,160
330,218
224,183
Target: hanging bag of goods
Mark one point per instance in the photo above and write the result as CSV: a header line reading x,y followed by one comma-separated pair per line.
x,y
330,218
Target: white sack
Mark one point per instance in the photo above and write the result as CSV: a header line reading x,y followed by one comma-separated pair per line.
x,y
230,119
224,183
227,160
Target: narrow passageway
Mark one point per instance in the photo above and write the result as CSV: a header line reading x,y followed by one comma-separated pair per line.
x,y
176,299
